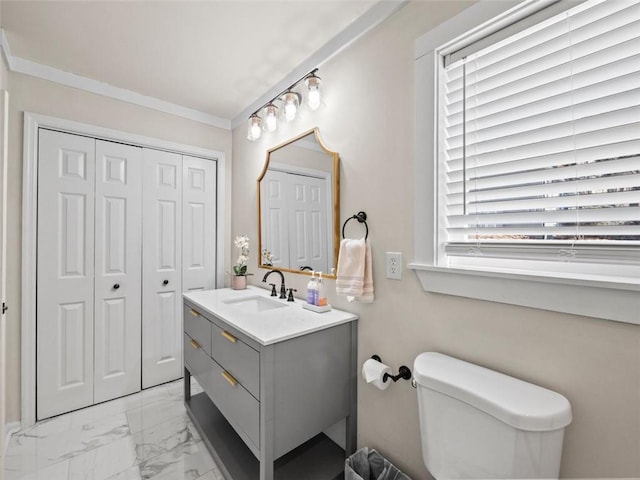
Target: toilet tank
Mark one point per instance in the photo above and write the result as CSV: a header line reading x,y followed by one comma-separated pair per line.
x,y
477,423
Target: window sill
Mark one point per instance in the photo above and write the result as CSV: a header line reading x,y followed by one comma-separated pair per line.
x,y
579,296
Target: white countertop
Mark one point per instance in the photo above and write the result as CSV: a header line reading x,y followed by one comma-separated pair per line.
x,y
270,326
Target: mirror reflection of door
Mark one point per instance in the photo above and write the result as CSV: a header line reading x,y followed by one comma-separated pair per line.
x,y
296,204
298,192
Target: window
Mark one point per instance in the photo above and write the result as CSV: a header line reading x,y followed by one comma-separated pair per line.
x,y
536,141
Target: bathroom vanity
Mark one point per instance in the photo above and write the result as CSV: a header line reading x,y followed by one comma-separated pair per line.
x,y
275,376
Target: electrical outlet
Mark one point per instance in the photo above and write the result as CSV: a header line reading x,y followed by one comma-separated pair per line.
x,y
394,265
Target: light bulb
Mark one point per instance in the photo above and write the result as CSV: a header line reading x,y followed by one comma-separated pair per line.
x,y
255,127
255,131
290,111
313,96
314,99
291,102
271,118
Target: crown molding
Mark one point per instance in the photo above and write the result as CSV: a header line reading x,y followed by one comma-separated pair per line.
x,y
45,72
370,19
4,47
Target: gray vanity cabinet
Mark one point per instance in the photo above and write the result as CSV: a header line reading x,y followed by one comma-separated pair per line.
x,y
273,398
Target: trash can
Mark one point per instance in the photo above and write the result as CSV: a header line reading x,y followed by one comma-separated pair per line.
x,y
368,464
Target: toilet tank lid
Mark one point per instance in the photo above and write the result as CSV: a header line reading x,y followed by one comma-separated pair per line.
x,y
522,405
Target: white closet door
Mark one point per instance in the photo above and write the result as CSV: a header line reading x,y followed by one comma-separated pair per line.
x,y
162,270
198,224
275,211
64,307
308,223
118,275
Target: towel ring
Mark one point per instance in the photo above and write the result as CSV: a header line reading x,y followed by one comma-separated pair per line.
x,y
362,218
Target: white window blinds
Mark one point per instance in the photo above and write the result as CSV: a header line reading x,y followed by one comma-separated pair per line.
x,y
540,140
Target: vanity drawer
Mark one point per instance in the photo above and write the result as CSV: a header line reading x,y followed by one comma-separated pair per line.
x,y
195,358
238,406
242,361
198,328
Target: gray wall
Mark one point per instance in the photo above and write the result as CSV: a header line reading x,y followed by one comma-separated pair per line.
x,y
368,119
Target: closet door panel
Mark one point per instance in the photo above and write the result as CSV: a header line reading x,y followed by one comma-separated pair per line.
x,y
162,267
65,273
199,224
118,297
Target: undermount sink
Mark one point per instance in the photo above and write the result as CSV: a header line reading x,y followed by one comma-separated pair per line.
x,y
255,303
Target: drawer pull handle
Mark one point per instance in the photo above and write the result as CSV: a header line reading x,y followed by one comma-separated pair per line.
x,y
194,344
194,313
229,337
229,378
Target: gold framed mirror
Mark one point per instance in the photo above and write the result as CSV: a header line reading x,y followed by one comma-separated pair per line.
x,y
299,207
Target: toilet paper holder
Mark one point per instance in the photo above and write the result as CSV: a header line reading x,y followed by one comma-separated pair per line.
x,y
403,372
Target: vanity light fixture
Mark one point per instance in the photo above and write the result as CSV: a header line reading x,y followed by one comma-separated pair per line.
x,y
290,100
255,127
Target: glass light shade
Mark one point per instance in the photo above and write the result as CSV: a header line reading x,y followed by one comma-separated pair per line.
x,y
314,99
313,95
291,103
254,128
271,118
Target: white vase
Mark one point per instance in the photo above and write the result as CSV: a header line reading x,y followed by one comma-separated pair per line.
x,y
239,282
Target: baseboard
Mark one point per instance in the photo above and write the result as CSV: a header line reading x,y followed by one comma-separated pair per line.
x,y
9,429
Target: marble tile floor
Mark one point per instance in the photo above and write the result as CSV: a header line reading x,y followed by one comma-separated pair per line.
x,y
144,435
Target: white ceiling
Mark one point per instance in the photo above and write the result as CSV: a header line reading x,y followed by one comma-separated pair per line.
x,y
217,57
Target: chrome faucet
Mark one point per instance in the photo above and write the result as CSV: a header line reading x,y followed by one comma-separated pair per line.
x,y
283,290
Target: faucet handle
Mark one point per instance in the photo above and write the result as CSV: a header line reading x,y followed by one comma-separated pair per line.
x,y
273,290
290,297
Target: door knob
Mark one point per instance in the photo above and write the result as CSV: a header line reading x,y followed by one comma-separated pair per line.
x,y
116,286
165,283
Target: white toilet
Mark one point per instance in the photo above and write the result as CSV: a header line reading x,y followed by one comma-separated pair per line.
x,y
480,424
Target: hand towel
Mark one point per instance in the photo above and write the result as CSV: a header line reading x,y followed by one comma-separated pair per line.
x,y
367,286
351,262
355,274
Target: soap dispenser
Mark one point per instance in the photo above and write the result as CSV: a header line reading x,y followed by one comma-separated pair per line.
x,y
321,299
312,288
